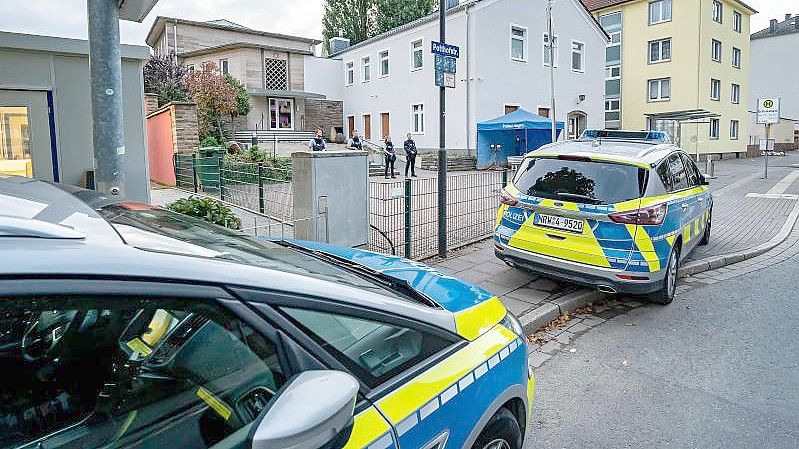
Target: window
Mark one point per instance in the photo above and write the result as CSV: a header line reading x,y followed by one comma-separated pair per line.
x,y
715,89
694,178
736,57
679,176
384,64
375,351
417,55
735,93
715,50
714,128
613,87
190,67
735,126
179,373
518,43
276,74
659,11
660,89
417,118
543,112
660,50
508,108
350,73
366,69
737,21
665,176
15,142
547,49
577,56
718,11
613,72
223,66
612,109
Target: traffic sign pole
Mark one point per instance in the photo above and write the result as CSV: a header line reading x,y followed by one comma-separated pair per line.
x,y
768,138
442,153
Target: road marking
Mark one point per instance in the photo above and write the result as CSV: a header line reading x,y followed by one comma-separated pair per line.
x,y
783,185
773,196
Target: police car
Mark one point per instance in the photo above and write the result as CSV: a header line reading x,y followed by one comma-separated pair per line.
x,y
616,210
131,326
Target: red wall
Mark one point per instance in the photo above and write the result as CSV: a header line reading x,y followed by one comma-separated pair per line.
x,y
159,141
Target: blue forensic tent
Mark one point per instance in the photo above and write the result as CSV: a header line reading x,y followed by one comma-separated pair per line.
x,y
512,134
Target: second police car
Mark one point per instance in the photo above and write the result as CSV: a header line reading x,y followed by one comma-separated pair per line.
x,y
615,210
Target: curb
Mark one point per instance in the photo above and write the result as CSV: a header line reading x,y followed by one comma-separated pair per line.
x,y
715,262
543,314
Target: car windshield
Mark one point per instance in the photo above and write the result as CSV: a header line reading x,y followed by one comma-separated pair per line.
x,y
161,230
580,181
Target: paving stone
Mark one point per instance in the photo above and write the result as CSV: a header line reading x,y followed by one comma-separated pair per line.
x,y
515,306
593,321
496,289
491,269
545,284
565,338
551,347
538,358
577,328
511,277
472,276
528,295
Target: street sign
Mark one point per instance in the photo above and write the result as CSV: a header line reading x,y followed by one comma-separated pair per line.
x,y
445,69
768,111
767,145
444,49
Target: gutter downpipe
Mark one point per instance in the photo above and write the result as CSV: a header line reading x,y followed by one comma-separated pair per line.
x,y
468,85
175,38
698,77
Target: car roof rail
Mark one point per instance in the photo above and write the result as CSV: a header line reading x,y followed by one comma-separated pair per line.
x,y
33,228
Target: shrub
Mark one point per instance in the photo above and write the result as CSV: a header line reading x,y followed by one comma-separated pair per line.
x,y
210,141
207,209
243,167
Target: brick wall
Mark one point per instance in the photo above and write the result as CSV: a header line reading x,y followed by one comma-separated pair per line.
x,y
324,114
150,103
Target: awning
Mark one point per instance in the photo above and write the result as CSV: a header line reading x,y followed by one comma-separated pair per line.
x,y
284,93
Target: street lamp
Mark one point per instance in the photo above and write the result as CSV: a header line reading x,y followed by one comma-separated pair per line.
x,y
551,37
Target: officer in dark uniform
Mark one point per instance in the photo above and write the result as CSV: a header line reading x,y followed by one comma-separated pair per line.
x,y
391,157
318,142
355,142
410,152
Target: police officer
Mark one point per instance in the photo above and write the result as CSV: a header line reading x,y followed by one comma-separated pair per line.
x,y
355,142
318,142
391,157
410,152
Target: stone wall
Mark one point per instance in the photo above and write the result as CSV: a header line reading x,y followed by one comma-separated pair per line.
x,y
150,103
185,136
325,114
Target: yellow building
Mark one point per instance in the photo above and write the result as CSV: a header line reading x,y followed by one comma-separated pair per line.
x,y
679,66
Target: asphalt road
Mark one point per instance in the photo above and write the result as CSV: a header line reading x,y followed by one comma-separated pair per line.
x,y
718,368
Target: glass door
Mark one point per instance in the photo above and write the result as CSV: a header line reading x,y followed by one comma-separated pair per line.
x,y
25,148
281,113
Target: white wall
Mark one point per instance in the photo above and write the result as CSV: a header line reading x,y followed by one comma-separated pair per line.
x,y
323,76
493,78
773,72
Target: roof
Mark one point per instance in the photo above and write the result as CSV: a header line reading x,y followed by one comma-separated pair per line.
x,y
788,26
235,45
62,45
219,24
434,16
626,151
596,5
518,119
103,253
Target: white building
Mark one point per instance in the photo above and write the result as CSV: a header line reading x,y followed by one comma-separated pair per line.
x,y
773,73
389,83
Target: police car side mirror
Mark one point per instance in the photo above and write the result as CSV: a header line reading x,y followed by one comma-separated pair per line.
x,y
704,179
314,411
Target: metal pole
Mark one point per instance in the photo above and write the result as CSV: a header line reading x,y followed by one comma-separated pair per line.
x,y
408,218
551,34
768,138
261,207
442,154
105,67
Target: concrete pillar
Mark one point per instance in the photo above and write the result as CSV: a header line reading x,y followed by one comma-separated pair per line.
x,y
330,192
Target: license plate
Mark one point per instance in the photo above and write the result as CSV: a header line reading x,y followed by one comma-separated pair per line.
x,y
562,223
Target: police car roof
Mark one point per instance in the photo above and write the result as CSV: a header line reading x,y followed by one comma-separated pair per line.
x,y
634,152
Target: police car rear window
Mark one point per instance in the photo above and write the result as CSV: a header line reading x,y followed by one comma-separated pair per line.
x,y
581,181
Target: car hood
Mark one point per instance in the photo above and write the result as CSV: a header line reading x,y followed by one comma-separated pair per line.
x,y
475,310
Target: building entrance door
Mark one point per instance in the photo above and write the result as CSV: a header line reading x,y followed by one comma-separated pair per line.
x,y
25,147
281,113
384,125
367,126
576,124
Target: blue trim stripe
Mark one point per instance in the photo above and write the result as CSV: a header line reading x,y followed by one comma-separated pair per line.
x,y
53,143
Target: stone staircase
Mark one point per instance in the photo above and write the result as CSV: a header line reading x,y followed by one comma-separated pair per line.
x,y
458,163
269,136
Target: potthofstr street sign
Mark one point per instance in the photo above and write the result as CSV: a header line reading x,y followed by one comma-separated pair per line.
x,y
444,49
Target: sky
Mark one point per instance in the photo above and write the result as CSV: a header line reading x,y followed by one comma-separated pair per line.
x,y
67,18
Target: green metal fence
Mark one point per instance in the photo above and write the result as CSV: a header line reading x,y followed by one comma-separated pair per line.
x,y
403,214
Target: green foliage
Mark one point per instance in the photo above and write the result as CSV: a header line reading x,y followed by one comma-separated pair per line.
x,y
394,13
163,77
210,141
243,168
353,18
207,209
214,97
242,97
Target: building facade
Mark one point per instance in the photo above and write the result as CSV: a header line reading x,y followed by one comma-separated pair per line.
x,y
389,80
773,75
45,111
680,66
284,98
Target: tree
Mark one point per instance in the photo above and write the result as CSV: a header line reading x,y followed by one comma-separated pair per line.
x,y
354,19
163,77
214,97
393,13
242,97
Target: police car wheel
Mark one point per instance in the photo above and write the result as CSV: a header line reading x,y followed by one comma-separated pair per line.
x,y
666,294
706,236
501,432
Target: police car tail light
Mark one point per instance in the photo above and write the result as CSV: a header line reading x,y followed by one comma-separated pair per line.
x,y
652,215
507,198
